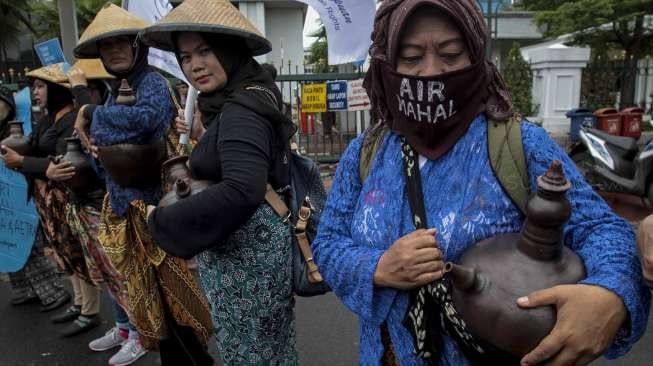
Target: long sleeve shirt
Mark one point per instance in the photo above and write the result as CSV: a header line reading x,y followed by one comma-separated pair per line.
x,y
465,203
235,152
144,122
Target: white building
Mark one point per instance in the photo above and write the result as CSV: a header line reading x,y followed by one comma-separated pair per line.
x,y
282,23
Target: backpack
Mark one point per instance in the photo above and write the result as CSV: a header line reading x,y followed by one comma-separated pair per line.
x,y
505,149
304,201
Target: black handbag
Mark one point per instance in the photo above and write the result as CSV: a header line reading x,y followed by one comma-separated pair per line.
x,y
306,200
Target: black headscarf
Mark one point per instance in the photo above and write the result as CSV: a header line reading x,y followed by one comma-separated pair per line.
x,y
248,85
58,97
7,96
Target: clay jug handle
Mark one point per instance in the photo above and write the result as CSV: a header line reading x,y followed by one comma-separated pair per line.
x,y
182,189
463,278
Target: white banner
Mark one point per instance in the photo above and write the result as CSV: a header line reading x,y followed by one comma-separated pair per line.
x,y
152,11
349,26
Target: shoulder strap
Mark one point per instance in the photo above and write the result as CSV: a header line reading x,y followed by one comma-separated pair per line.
x,y
371,143
304,214
507,159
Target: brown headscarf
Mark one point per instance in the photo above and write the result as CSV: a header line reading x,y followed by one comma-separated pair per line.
x,y
389,23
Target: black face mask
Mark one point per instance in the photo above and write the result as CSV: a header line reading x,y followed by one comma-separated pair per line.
x,y
434,112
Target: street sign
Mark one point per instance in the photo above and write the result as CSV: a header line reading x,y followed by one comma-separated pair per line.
x,y
50,52
314,98
357,99
337,95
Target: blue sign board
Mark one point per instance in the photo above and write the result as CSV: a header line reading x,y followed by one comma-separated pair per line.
x,y
18,217
337,96
50,52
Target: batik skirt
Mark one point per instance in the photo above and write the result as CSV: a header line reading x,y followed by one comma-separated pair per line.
x,y
248,282
159,286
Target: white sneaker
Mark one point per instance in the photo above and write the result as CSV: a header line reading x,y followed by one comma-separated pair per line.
x,y
130,351
108,341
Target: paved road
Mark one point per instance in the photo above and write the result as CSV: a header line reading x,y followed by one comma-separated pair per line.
x,y
327,333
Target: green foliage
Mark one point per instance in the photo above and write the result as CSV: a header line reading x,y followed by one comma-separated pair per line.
x,y
319,52
13,21
604,25
597,23
46,15
519,79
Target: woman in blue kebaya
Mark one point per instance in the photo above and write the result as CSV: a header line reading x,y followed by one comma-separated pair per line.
x,y
433,91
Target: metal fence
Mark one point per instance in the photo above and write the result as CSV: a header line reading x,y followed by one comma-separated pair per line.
x,y
321,136
602,81
13,73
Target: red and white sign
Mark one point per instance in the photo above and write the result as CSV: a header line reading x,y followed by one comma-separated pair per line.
x,y
357,99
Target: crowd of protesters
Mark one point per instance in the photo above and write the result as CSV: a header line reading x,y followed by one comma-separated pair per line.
x,y
219,262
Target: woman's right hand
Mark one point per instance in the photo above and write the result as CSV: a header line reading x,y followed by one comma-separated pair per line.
x,y
198,128
76,77
412,261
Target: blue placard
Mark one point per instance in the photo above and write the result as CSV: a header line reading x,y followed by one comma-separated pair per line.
x,y
50,52
337,96
23,101
18,218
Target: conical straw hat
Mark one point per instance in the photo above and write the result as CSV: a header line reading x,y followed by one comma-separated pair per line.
x,y
53,73
206,16
110,21
93,69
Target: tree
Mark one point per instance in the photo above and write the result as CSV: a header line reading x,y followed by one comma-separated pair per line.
x,y
519,79
601,24
47,15
319,51
13,20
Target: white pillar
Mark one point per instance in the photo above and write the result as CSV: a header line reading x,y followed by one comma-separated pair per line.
x,y
557,73
255,12
68,27
645,83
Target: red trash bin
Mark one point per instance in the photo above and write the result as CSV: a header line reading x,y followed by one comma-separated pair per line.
x,y
631,122
608,120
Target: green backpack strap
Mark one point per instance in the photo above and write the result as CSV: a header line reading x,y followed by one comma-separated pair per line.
x,y
507,159
371,143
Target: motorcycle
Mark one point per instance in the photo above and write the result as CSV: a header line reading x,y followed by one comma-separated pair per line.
x,y
614,163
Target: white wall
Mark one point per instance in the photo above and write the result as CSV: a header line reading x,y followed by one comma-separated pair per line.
x,y
284,26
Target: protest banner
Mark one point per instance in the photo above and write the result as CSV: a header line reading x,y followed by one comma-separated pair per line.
x,y
152,11
348,24
314,98
18,218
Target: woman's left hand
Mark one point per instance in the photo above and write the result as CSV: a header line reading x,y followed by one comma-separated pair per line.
x,y
13,160
588,318
61,171
150,209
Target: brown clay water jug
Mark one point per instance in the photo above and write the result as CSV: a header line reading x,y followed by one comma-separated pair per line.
x,y
178,183
125,94
133,165
16,140
84,174
494,273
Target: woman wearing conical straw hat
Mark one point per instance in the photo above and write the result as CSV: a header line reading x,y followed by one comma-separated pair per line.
x,y
244,248
164,298
45,184
37,279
